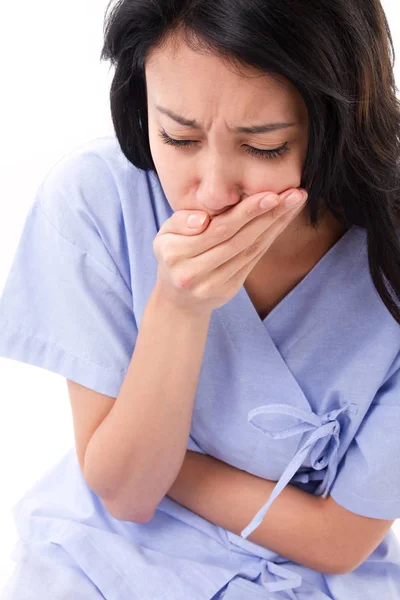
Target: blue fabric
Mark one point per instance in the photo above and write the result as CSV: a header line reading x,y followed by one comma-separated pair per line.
x,y
309,397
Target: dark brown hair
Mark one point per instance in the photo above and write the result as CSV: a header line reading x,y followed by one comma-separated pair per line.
x,y
339,54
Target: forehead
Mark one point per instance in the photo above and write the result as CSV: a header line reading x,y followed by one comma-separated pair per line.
x,y
176,75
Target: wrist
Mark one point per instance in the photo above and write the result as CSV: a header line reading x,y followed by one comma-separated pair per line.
x,y
160,297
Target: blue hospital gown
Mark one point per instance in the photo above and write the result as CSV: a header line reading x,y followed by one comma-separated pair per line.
x,y
309,396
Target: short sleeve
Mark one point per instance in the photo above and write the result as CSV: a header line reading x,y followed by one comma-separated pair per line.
x,y
65,306
368,478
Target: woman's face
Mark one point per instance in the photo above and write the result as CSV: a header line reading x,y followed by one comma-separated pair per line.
x,y
218,168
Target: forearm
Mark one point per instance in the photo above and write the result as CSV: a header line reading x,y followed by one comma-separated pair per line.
x,y
294,526
136,452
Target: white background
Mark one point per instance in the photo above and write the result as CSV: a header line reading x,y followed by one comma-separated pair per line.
x,y
55,96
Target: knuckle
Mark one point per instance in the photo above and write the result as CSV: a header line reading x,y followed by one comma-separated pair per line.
x,y
275,212
222,230
252,211
253,248
170,257
183,280
238,241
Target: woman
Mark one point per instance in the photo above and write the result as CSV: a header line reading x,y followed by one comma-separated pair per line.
x,y
241,378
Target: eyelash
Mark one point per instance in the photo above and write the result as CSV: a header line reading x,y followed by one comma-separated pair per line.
x,y
275,153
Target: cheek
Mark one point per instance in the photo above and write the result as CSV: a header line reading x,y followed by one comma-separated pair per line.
x,y
276,175
171,175
168,167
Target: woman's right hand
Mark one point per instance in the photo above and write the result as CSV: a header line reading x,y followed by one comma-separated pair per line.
x,y
203,268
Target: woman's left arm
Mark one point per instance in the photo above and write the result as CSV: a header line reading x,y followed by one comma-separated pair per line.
x,y
294,527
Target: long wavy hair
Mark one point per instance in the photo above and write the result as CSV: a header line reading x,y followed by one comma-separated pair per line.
x,y
339,55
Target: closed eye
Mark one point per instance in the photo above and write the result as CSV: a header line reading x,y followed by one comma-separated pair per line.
x,y
274,153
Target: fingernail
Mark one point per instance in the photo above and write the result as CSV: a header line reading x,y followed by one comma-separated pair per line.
x,y
295,198
196,220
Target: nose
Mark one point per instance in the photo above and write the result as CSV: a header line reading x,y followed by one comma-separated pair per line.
x,y
218,191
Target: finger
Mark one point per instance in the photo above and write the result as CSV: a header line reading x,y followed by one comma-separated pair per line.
x,y
221,228
186,222
238,267
226,258
252,209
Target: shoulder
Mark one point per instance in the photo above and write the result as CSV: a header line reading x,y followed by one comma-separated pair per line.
x,y
96,200
89,179
95,194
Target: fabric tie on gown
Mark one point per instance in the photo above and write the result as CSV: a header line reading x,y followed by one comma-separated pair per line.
x,y
322,444
289,580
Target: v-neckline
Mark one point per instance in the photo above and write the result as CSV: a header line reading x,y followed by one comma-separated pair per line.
x,y
312,272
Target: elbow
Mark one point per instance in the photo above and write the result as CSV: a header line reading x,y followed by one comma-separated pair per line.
x,y
117,508
125,510
121,502
131,516
121,513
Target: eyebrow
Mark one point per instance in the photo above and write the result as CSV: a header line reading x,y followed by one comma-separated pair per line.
x,y
265,128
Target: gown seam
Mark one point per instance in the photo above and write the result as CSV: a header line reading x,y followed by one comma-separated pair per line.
x,y
81,250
